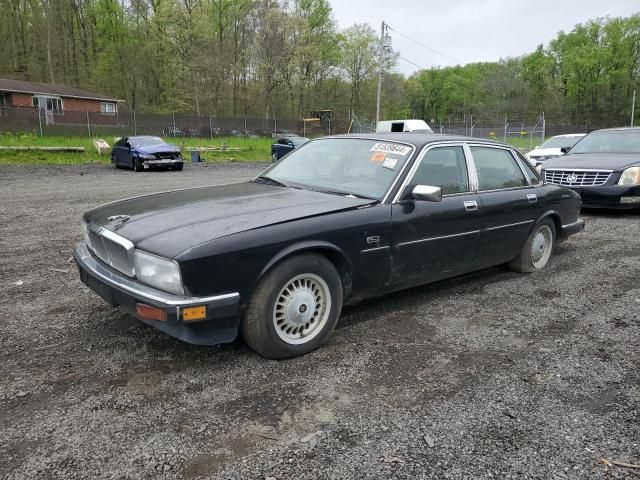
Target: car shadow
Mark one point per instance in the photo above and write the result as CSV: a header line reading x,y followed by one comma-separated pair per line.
x,y
612,212
471,283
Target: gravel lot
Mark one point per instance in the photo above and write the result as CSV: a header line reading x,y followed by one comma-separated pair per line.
x,y
491,375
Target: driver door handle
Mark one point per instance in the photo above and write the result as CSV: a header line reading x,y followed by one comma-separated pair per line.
x,y
470,205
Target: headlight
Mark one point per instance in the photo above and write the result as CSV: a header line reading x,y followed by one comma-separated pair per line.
x,y
146,157
631,176
539,169
85,233
158,272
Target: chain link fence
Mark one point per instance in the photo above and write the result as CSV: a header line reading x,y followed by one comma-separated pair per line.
x,y
97,124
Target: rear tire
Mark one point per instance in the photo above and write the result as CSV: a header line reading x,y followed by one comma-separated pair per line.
x,y
294,308
537,250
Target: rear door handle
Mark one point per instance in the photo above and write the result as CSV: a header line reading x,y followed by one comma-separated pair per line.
x,y
470,205
532,197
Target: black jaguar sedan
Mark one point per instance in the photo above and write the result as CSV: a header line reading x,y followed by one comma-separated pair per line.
x,y
603,167
338,220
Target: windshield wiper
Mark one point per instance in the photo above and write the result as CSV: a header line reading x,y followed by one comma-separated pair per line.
x,y
346,194
270,181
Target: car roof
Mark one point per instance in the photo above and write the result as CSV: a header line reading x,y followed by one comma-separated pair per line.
x,y
567,135
618,129
418,140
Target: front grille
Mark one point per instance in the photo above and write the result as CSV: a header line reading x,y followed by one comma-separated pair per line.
x,y
577,178
166,156
110,251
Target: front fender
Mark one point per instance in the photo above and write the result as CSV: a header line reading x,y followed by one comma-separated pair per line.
x,y
305,246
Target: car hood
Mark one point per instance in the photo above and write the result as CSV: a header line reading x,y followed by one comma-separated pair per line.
x,y
172,222
151,149
544,152
597,161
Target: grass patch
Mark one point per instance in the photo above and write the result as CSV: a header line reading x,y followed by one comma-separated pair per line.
x,y
253,149
525,142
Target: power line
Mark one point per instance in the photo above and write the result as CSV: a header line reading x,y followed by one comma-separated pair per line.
x,y
412,63
424,46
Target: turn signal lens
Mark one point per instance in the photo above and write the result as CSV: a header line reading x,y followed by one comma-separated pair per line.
x,y
190,314
150,313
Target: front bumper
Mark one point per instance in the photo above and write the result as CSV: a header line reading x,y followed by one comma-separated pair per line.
x,y
222,311
609,196
165,162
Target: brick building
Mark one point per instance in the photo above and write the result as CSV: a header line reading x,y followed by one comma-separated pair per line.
x,y
57,101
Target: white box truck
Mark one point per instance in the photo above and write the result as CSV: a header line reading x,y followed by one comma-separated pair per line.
x,y
387,126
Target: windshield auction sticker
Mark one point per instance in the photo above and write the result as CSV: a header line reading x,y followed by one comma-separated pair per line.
x,y
378,157
391,148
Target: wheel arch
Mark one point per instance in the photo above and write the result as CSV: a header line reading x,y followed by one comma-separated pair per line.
x,y
331,252
555,217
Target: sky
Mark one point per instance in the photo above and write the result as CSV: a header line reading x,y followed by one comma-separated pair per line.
x,y
473,30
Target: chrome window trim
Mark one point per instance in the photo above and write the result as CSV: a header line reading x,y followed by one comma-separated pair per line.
x,y
508,149
420,157
375,139
525,187
520,159
471,166
430,239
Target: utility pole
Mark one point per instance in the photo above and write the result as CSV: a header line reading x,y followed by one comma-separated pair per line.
x,y
382,29
633,107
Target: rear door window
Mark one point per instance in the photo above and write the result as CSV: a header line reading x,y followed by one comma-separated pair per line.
x,y
532,175
497,169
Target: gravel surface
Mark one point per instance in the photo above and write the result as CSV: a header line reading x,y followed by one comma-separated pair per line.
x,y
491,375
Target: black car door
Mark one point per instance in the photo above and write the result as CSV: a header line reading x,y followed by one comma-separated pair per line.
x,y
434,240
509,203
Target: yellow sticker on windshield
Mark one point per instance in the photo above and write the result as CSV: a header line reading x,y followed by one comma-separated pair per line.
x,y
378,157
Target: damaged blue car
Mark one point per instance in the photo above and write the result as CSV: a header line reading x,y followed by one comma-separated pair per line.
x,y
144,152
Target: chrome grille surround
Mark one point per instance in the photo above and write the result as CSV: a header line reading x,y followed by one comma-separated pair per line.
x,y
577,177
112,249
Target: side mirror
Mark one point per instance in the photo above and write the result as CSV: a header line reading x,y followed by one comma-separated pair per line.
x,y
427,193
565,149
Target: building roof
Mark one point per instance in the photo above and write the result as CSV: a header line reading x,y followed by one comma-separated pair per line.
x,y
23,86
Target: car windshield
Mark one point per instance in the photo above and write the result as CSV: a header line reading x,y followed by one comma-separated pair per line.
x,y
343,166
559,142
144,141
620,141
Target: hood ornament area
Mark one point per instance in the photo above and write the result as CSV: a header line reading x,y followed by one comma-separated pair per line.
x,y
118,219
573,178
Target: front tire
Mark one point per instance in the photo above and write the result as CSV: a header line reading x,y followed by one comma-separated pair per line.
x,y
538,249
294,308
137,165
